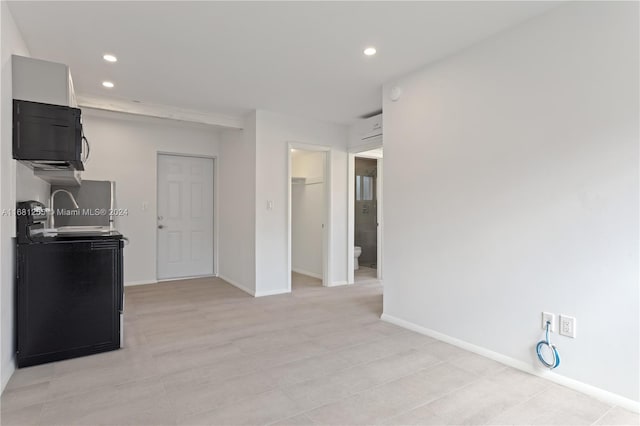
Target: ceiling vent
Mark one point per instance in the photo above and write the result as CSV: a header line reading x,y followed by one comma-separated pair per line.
x,y
371,114
372,128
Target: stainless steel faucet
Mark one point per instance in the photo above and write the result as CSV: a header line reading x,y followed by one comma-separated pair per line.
x,y
53,211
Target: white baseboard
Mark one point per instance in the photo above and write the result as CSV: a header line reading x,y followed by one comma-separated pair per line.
x,y
271,292
337,283
7,372
143,282
307,273
189,277
237,285
595,392
251,292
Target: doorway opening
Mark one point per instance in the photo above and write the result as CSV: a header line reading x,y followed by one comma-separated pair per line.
x,y
185,217
309,219
365,216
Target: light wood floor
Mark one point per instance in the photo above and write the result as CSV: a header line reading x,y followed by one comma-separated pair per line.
x,y
364,274
203,352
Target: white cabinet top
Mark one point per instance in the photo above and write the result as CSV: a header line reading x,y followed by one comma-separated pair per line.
x,y
37,80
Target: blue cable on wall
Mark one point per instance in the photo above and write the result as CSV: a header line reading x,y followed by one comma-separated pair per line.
x,y
555,362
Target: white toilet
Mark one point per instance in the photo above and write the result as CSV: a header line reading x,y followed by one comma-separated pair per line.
x,y
357,251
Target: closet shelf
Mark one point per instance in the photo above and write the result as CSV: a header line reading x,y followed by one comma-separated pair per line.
x,y
306,180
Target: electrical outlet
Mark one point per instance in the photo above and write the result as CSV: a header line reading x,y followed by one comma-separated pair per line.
x,y
567,326
547,316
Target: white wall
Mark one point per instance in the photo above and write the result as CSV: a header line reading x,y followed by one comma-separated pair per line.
x,y
360,129
237,195
11,43
511,186
30,187
273,133
307,212
124,149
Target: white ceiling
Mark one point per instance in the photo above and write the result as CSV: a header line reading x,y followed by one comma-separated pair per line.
x,y
372,153
302,58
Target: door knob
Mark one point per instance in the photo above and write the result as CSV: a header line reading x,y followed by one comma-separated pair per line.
x,y
160,226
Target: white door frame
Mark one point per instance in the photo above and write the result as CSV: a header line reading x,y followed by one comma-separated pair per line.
x,y
326,239
215,209
351,195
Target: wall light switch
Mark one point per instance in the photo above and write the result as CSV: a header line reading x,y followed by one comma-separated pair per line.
x,y
568,326
547,316
269,205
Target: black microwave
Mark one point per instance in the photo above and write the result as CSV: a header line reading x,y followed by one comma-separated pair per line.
x,y
48,137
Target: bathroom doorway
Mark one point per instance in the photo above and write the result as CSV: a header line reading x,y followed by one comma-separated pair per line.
x,y
308,215
365,215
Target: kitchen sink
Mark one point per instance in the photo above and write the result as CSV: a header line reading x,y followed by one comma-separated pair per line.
x,y
89,229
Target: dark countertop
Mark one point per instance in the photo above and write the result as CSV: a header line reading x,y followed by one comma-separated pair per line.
x,y
80,236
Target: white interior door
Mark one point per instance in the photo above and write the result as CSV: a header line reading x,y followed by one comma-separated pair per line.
x,y
380,211
185,216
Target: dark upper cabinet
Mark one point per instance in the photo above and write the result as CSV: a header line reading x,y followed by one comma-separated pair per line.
x,y
47,137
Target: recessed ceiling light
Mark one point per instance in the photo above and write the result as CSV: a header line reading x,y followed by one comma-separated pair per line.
x,y
370,51
110,58
108,84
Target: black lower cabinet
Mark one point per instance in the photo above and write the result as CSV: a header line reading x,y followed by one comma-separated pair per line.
x,y
69,299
